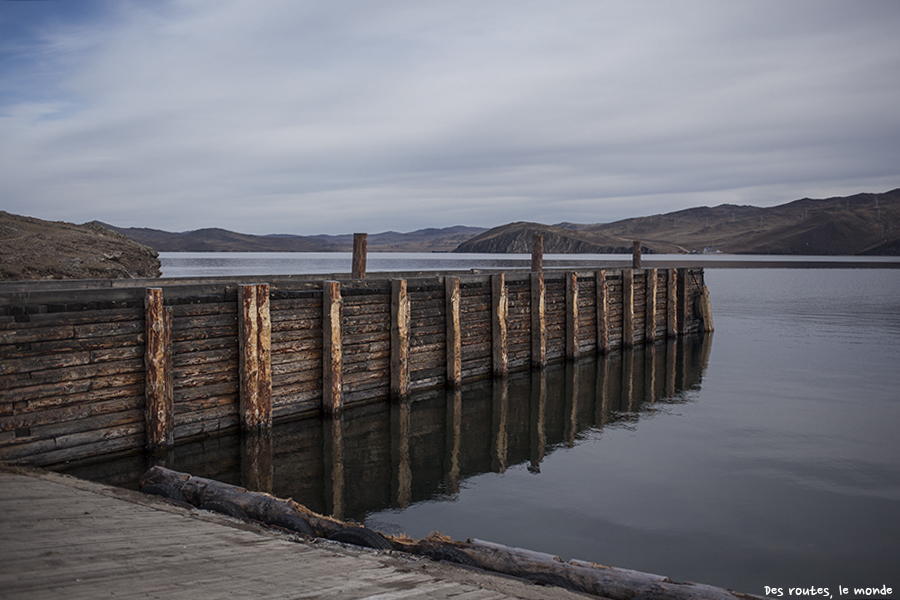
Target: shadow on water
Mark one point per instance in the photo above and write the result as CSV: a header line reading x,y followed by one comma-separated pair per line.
x,y
393,455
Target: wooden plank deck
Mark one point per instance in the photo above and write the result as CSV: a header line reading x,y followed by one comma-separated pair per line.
x,y
62,537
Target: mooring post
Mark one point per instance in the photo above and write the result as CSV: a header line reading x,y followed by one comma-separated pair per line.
x,y
254,342
636,254
706,309
538,322
650,304
602,312
682,302
499,314
571,316
332,357
159,390
454,333
627,308
400,326
537,253
360,241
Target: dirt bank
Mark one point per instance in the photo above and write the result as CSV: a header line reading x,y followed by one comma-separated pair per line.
x,y
35,249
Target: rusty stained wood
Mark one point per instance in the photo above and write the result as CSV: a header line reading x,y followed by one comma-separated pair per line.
x,y
332,357
499,334
538,321
159,384
255,344
360,241
650,306
454,335
672,303
572,350
400,327
681,303
602,312
706,309
627,308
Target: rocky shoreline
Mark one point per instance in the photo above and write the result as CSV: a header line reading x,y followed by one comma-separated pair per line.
x,y
35,249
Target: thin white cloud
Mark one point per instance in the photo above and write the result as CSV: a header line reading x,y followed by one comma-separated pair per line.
x,y
350,116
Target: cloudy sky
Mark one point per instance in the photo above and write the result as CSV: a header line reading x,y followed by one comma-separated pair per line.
x,y
288,116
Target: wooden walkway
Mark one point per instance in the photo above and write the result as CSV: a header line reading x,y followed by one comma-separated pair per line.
x,y
62,537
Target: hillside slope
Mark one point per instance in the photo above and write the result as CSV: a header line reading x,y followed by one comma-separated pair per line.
x,y
36,249
859,224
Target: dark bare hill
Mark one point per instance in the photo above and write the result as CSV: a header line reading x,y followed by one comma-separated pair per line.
x,y
36,249
221,240
859,224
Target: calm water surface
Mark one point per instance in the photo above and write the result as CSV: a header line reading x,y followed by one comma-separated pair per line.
x,y
765,454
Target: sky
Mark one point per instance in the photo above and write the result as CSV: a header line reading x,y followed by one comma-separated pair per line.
x,y
307,117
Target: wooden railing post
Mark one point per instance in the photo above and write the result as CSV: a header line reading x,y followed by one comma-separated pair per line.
x,y
400,325
499,313
538,322
360,241
602,312
255,357
454,333
159,389
332,356
650,315
627,308
571,316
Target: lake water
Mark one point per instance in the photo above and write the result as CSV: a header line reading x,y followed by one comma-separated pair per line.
x,y
765,454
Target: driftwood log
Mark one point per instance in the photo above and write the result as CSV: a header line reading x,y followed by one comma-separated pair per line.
x,y
541,568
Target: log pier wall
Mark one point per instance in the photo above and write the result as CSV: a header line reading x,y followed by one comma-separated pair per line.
x,y
90,368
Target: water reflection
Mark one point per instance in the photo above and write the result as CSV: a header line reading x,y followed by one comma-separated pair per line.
x,y
384,456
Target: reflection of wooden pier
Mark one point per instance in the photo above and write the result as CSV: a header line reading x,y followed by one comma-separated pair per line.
x,y
88,369
380,456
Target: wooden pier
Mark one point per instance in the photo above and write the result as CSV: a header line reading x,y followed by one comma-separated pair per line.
x,y
62,537
95,367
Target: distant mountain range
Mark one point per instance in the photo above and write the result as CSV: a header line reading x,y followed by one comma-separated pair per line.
x,y
859,224
222,240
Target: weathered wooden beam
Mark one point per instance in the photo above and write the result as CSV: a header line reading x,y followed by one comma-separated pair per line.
x,y
454,332
360,241
159,389
255,338
499,320
636,254
571,315
332,356
538,322
672,303
682,302
706,309
400,327
627,308
650,305
602,312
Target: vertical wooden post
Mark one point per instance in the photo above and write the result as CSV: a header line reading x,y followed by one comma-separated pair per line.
x,y
627,308
400,325
706,309
332,357
158,391
257,468
538,322
255,357
537,254
400,459
602,313
499,313
636,255
571,315
264,354
650,315
682,303
360,241
454,333
334,465
672,303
